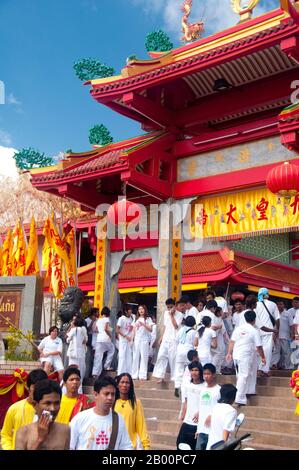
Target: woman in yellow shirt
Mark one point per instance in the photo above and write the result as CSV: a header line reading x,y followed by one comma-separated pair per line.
x,y
130,408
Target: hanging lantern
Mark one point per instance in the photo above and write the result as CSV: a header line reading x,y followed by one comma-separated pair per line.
x,y
123,212
238,296
283,180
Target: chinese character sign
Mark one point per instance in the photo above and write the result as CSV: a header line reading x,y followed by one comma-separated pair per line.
x,y
100,274
176,264
244,213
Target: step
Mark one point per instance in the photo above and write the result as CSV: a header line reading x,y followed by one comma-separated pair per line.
x,y
163,439
279,413
289,441
279,426
270,401
162,403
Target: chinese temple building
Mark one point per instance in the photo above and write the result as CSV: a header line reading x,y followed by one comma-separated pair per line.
x,y
218,115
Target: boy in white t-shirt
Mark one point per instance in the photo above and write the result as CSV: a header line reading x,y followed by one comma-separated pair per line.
x,y
223,417
208,398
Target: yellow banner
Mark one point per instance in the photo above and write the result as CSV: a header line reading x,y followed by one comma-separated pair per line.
x,y
72,263
32,266
19,250
7,259
100,274
258,211
176,280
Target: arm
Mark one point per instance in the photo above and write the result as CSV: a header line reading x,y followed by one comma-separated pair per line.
x,y
141,427
7,431
261,353
230,350
225,435
107,329
43,428
21,439
183,412
162,334
67,439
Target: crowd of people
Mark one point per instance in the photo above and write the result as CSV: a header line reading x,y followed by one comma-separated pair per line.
x,y
196,344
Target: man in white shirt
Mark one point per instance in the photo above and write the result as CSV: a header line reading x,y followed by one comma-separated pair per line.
x,y
237,315
173,318
244,343
223,418
295,306
124,330
267,320
208,398
283,343
93,429
221,302
190,311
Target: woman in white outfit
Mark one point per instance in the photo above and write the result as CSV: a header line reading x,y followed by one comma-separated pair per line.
x,y
218,354
103,344
50,349
205,339
124,331
142,329
185,343
77,338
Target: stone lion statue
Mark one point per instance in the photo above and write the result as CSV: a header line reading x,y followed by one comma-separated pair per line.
x,y
70,303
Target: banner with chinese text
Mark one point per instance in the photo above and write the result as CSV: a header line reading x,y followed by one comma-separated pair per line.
x,y
176,279
258,211
100,274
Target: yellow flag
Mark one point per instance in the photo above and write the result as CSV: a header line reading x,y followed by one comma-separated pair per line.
x,y
55,241
46,251
7,266
58,276
72,263
19,250
32,266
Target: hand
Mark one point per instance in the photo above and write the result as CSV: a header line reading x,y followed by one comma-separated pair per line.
x,y
196,435
195,418
264,361
43,426
228,357
208,421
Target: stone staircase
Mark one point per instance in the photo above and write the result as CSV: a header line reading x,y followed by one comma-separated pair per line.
x,y
269,416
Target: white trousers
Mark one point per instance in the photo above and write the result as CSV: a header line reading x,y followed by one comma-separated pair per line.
x,y
275,352
101,348
80,363
252,377
140,360
124,357
167,353
242,370
181,361
218,354
285,354
267,343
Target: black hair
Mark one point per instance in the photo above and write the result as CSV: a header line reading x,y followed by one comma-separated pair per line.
x,y
170,301
250,301
211,304
45,387
105,311
295,298
71,371
227,394
219,291
196,365
218,311
104,382
182,300
190,321
201,300
191,354
93,311
210,367
131,394
53,328
185,299
206,323
79,321
211,292
250,316
35,376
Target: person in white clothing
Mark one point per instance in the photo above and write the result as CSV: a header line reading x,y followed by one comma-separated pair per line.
x,y
208,398
185,342
237,315
124,330
50,349
267,320
295,354
223,417
282,352
76,338
205,339
190,310
142,328
295,306
172,321
219,298
200,308
92,429
218,354
190,409
244,343
104,343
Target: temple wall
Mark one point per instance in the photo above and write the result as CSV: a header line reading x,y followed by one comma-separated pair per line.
x,y
266,246
237,157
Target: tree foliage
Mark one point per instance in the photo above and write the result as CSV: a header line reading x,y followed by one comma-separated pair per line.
x,y
88,69
26,159
158,41
100,135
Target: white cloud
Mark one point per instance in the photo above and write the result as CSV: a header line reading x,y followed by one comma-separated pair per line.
x,y
5,138
217,14
7,163
11,99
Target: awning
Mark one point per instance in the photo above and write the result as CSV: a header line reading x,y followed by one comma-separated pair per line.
x,y
275,293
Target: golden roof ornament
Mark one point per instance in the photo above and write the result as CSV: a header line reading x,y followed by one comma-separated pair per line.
x,y
244,11
193,31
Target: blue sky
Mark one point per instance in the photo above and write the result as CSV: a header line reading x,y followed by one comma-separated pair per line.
x,y
47,107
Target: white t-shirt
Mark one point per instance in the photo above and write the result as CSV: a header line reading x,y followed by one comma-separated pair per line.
x,y
125,324
49,345
296,321
246,338
208,313
102,336
223,419
191,312
141,333
90,431
262,316
204,344
208,398
77,339
292,311
285,325
222,303
238,318
170,331
192,392
186,337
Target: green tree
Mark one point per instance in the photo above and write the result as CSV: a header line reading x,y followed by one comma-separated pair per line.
x,y
100,135
88,69
158,41
29,158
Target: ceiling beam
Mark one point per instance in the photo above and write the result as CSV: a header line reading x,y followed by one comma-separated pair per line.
x,y
149,110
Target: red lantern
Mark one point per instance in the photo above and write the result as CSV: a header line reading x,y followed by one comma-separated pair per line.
x,y
238,296
284,180
123,212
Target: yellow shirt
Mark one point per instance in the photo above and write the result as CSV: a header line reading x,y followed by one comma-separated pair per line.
x,y
19,414
135,421
66,408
